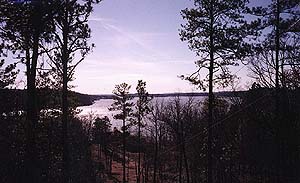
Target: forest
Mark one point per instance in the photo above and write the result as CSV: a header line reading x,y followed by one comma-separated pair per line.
x,y
249,136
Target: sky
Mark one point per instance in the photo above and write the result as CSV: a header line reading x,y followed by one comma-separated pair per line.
x,y
139,39
136,39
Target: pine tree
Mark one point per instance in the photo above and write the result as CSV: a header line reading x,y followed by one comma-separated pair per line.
x,y
70,39
216,31
142,109
123,104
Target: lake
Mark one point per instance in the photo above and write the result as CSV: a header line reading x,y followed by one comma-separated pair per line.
x,y
100,107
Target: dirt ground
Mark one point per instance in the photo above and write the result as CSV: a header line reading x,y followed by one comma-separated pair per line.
x,y
117,168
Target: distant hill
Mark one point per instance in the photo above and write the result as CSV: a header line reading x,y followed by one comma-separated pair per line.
x,y
16,99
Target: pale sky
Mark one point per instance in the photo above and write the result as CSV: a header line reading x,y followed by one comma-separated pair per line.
x,y
136,39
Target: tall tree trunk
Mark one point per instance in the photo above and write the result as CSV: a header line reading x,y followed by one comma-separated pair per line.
x,y
124,152
65,59
159,149
179,156
180,142
31,129
277,42
277,87
210,98
32,114
186,163
155,152
99,152
180,166
183,153
146,169
283,82
49,157
139,148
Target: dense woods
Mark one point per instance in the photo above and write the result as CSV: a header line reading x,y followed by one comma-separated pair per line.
x,y
235,136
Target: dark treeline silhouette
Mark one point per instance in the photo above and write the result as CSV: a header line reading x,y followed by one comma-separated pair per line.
x,y
56,31
244,145
235,136
230,32
46,98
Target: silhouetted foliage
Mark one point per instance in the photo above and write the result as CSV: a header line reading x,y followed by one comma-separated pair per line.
x,y
142,109
122,103
276,55
8,74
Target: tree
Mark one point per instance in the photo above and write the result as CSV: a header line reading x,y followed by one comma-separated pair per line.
x,y
142,109
24,27
277,59
156,128
279,42
31,28
101,131
263,66
216,31
174,119
70,39
122,103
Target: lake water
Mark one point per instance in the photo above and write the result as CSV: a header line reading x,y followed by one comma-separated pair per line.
x,y
100,108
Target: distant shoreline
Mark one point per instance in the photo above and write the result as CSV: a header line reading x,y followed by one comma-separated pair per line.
x,y
188,94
